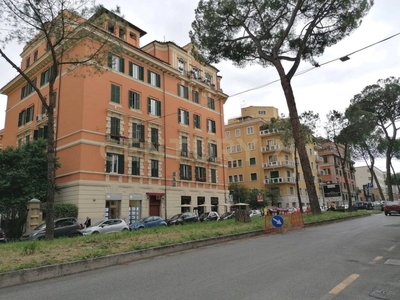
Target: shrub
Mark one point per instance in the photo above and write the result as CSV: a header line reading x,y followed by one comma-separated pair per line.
x,y
63,210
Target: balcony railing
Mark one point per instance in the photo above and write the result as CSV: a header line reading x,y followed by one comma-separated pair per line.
x,y
268,132
319,158
280,180
277,164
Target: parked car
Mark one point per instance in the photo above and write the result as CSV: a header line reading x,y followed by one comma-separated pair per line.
x,y
3,237
228,215
106,226
148,222
63,227
209,216
362,205
180,219
255,213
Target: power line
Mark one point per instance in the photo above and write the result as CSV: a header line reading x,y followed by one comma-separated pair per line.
x,y
317,66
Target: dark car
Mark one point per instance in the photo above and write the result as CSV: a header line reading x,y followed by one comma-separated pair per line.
x,y
228,215
148,222
362,205
180,219
3,237
63,227
209,216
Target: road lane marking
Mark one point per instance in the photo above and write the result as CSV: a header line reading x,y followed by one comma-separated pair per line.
x,y
376,259
391,248
341,286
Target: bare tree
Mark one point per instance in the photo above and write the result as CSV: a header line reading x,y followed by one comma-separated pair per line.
x,y
60,25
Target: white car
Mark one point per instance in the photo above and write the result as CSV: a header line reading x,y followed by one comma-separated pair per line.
x,y
106,226
255,213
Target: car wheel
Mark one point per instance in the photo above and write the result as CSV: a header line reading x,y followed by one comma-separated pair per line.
x,y
125,229
96,232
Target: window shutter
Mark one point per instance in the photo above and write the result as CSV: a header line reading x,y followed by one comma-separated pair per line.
x,y
42,78
121,164
186,91
108,162
180,171
148,76
159,108
45,131
179,115
141,73
35,134
149,105
130,98
179,90
109,60
122,65
190,172
130,69
158,80
20,116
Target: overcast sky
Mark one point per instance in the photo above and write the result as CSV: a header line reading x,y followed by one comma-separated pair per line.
x,y
329,87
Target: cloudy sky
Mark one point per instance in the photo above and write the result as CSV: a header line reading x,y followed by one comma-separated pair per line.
x,y
320,90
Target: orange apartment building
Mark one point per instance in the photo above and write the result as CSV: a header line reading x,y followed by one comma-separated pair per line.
x,y
257,158
142,138
332,173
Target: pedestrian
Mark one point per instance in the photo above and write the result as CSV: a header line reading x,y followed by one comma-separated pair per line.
x,y
88,222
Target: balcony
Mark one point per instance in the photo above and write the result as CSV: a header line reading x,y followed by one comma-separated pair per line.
x,y
319,158
265,132
279,180
200,179
116,139
278,164
213,159
184,153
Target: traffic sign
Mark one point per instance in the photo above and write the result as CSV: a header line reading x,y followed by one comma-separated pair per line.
x,y
277,221
260,198
370,185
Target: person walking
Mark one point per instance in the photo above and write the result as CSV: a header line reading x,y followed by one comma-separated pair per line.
x,y
88,222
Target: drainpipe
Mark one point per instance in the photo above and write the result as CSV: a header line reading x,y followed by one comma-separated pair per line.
x,y
222,146
165,149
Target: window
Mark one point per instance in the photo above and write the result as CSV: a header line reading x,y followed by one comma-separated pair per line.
x,y
196,121
184,147
134,100
154,167
213,176
253,176
250,146
181,66
116,63
195,96
195,73
183,91
200,174
153,79
115,128
115,93
211,126
115,163
25,116
136,71
28,62
228,149
185,172
135,165
199,146
40,133
252,161
262,112
154,107
211,103
227,134
46,75
237,132
250,130
207,79
183,117
154,139
28,89
212,151
35,55
137,134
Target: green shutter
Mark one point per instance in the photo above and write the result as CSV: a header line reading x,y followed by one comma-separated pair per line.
x,y
121,164
179,90
130,69
181,171
122,65
108,162
148,76
42,78
45,131
190,172
158,80
186,92
141,73
130,98
109,60
159,108
187,118
148,105
35,134
179,115
142,136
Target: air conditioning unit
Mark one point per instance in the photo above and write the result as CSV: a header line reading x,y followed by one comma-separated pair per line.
x,y
39,117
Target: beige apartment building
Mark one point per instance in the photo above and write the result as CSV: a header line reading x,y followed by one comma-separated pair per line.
x,y
257,158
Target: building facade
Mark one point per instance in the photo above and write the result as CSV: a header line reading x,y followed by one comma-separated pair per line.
x,y
144,137
364,181
257,158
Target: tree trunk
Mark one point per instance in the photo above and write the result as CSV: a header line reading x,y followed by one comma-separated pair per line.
x,y
295,122
297,178
373,175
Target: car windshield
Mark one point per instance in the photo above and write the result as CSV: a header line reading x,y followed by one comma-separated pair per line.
x,y
97,223
176,217
41,226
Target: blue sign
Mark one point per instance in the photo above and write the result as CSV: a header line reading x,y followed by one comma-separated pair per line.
x,y
370,185
277,221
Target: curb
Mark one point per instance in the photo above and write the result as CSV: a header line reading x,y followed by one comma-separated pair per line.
x,y
18,277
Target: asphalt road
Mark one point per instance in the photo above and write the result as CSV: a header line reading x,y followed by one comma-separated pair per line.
x,y
355,259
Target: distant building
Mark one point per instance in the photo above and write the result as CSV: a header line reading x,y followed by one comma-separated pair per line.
x,y
363,178
257,158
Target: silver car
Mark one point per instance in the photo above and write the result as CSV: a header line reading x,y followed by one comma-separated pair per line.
x,y
106,226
